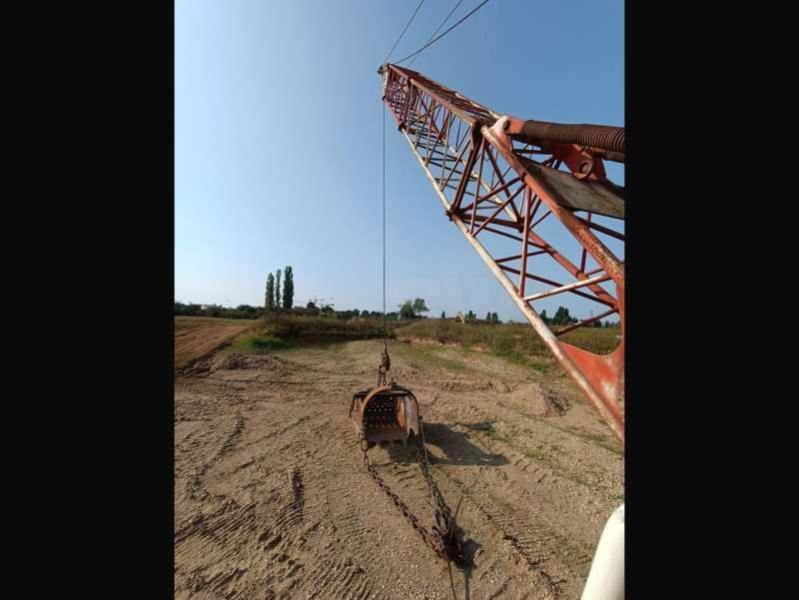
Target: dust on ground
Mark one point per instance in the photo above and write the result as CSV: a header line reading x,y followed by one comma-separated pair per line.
x,y
272,499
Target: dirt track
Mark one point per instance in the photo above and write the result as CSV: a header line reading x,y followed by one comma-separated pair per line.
x,y
272,499
195,338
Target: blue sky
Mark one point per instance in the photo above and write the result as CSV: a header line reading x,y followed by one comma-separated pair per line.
x,y
277,140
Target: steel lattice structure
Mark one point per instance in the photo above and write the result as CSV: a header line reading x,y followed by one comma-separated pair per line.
x,y
500,178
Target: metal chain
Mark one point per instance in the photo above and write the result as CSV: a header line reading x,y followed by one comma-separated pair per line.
x,y
385,366
442,538
433,541
443,515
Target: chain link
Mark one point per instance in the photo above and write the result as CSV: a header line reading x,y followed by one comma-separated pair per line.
x,y
442,539
385,366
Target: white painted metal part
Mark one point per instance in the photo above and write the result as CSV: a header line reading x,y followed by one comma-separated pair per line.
x,y
606,578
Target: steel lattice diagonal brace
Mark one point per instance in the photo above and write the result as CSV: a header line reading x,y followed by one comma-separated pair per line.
x,y
501,178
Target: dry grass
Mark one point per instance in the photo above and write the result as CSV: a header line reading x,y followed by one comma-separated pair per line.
x,y
516,342
283,332
320,329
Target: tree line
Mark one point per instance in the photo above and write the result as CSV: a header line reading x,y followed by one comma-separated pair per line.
x,y
413,309
562,317
277,300
471,317
245,311
242,311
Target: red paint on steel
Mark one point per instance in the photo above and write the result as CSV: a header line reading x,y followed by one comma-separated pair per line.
x,y
425,112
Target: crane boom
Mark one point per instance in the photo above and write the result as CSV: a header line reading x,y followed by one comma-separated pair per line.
x,y
499,178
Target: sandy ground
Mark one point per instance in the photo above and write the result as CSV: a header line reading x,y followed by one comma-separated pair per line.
x,y
195,338
272,499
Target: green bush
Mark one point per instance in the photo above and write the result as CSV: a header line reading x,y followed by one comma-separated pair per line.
x,y
266,343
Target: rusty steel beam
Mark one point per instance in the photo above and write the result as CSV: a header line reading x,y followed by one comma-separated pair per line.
x,y
598,250
555,283
585,322
474,139
474,149
601,228
566,288
497,211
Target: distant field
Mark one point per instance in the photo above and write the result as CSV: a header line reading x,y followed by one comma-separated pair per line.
x,y
196,337
517,342
280,332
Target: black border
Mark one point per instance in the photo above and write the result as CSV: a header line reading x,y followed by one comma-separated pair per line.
x,y
108,473
677,328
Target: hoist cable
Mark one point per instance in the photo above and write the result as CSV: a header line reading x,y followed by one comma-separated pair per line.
x,y
434,40
385,321
403,32
440,25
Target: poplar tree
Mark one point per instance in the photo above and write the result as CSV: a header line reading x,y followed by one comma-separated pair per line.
x,y
269,303
288,289
277,290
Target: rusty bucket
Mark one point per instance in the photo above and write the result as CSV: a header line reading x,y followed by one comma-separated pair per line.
x,y
386,414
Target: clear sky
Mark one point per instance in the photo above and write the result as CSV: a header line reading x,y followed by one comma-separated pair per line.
x,y
277,140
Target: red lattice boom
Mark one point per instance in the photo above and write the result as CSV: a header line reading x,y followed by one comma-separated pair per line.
x,y
501,178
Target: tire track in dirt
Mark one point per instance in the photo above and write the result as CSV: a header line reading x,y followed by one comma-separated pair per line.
x,y
550,555
540,546
334,573
284,567
345,515
287,547
194,485
535,541
201,338
288,511
279,432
